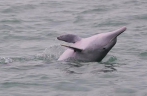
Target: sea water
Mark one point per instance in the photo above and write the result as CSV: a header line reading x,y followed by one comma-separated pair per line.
x,y
29,49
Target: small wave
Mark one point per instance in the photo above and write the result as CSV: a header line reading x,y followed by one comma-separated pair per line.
x,y
50,54
86,67
111,23
10,21
5,60
143,54
140,17
99,9
18,8
109,60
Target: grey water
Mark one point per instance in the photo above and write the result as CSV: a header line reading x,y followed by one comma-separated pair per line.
x,y
29,49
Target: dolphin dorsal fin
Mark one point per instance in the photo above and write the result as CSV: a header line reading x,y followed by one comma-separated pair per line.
x,y
70,38
73,48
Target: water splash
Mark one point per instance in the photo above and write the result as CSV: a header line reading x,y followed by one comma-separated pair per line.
x,y
5,60
109,59
48,55
52,53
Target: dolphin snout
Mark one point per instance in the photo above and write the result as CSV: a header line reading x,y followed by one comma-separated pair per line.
x,y
124,28
112,35
121,30
117,32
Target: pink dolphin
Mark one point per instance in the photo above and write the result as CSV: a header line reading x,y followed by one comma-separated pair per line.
x,y
91,49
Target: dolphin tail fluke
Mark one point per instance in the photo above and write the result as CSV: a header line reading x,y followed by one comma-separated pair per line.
x,y
73,48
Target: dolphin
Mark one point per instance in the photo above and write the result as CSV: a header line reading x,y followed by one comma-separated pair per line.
x,y
91,49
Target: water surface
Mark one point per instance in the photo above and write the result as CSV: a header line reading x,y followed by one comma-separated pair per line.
x,y
29,48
